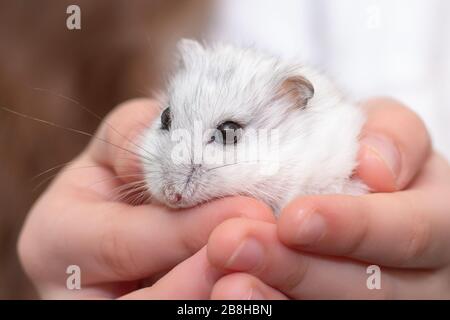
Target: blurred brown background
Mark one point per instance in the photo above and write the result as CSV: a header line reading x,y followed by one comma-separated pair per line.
x,y
118,54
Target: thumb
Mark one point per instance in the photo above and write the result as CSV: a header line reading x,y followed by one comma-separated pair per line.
x,y
394,145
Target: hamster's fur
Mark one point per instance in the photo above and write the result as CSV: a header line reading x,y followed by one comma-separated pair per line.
x,y
317,128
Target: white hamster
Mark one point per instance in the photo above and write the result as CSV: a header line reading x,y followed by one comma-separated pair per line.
x,y
230,95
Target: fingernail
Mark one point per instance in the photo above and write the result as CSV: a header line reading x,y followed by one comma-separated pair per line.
x,y
312,227
385,150
247,256
255,294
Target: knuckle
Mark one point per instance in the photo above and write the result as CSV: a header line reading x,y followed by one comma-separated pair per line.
x,y
246,207
412,120
228,285
24,251
33,244
115,253
193,240
362,229
293,278
408,117
418,233
191,243
117,139
120,112
418,124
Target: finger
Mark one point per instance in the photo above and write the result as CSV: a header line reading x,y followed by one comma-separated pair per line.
x,y
394,145
115,242
242,286
403,229
116,144
192,279
241,245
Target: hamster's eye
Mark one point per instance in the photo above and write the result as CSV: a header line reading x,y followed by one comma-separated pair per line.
x,y
229,132
165,119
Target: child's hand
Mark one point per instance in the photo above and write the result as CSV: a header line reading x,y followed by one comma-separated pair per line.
x,y
322,245
76,222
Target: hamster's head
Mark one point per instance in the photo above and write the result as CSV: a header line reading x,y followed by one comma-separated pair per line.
x,y
216,109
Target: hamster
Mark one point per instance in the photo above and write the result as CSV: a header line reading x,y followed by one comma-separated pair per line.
x,y
218,99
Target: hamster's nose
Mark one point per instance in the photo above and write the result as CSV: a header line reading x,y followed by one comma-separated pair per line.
x,y
172,195
174,198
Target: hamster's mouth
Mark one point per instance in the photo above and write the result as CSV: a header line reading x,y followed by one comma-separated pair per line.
x,y
183,203
178,200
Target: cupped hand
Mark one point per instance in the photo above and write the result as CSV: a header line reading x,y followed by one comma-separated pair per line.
x,y
81,220
322,245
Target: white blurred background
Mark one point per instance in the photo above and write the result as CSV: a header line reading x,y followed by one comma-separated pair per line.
x,y
398,48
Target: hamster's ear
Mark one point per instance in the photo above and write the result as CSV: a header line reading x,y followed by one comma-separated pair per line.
x,y
297,89
188,48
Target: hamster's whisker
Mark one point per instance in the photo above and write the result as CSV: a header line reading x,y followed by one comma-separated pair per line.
x,y
92,113
237,163
50,177
138,183
134,189
73,130
50,170
125,195
44,181
142,197
127,187
62,165
113,178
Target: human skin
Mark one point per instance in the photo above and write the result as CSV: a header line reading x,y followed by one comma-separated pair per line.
x,y
322,245
78,221
117,245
